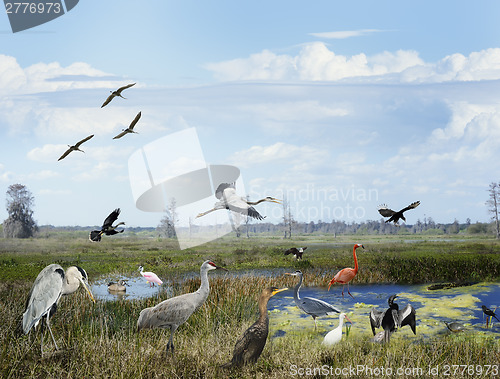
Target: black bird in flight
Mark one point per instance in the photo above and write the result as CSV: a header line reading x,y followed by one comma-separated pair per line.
x,y
395,216
118,92
107,227
130,129
75,147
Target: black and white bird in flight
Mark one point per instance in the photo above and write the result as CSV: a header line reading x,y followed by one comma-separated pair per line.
x,y
118,92
75,147
130,129
395,216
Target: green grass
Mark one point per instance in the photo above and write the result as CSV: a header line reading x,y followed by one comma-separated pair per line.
x,y
99,340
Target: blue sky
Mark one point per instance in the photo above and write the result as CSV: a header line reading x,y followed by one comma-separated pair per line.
x,y
341,106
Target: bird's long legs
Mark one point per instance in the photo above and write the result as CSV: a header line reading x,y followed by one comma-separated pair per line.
x,y
50,331
170,343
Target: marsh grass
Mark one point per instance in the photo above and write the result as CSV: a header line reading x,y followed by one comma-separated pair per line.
x,y
100,340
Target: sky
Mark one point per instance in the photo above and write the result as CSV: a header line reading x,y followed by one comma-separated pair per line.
x,y
336,106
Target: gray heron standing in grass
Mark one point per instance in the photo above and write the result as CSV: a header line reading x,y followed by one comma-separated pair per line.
x,y
251,344
229,199
107,227
393,318
173,312
118,92
130,129
50,284
310,305
75,147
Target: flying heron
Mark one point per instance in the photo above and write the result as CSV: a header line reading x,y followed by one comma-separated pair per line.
x,y
229,199
395,216
393,318
50,284
173,312
297,253
310,305
250,345
130,129
107,227
150,277
118,92
345,275
335,336
75,147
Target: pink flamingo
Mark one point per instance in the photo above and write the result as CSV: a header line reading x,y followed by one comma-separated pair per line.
x,y
345,275
150,277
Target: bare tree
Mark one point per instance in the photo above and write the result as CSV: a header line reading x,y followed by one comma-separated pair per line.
x,y
288,220
168,222
493,204
20,223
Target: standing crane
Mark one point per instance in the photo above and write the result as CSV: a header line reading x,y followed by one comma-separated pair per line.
x,y
393,318
130,129
75,147
118,93
107,227
345,275
174,312
50,284
310,305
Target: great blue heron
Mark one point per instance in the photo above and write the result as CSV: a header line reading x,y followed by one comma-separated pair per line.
x,y
393,318
297,253
173,312
150,277
229,199
395,216
50,284
310,305
489,314
335,336
345,275
118,92
75,147
250,345
130,129
107,227
117,287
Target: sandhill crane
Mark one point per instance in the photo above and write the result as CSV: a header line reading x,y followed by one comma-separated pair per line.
x,y
335,336
130,129
173,312
297,253
395,216
50,284
345,275
250,345
310,305
75,147
393,318
229,199
107,227
118,92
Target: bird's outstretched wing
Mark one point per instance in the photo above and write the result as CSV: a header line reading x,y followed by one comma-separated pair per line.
x,y
121,134
83,140
119,90
293,250
385,211
65,154
220,189
376,317
95,235
411,206
111,218
252,212
406,316
132,124
108,100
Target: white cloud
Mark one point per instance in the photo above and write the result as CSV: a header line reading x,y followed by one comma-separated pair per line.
x,y
342,34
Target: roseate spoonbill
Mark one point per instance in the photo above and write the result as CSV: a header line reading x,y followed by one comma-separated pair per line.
x,y
395,216
454,326
150,277
297,253
118,92
334,336
310,305
50,284
75,147
229,199
250,345
173,312
107,227
117,287
489,313
393,318
345,275
130,129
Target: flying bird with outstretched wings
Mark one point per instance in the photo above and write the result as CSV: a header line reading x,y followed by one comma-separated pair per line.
x,y
107,227
118,92
395,216
130,129
75,147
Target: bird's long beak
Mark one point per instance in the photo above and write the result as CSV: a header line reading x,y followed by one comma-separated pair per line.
x,y
330,284
290,273
221,268
87,289
347,318
280,290
277,201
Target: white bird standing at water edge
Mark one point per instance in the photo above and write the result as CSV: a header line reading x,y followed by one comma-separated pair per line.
x,y
50,284
335,336
150,277
173,312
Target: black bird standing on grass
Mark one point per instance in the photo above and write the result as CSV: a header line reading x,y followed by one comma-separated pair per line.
x,y
395,216
489,313
297,253
107,227
252,342
393,318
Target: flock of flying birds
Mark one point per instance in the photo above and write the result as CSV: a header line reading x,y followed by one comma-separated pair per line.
x,y
130,129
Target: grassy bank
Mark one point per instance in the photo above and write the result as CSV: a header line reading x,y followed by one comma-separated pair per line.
x,y
99,340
